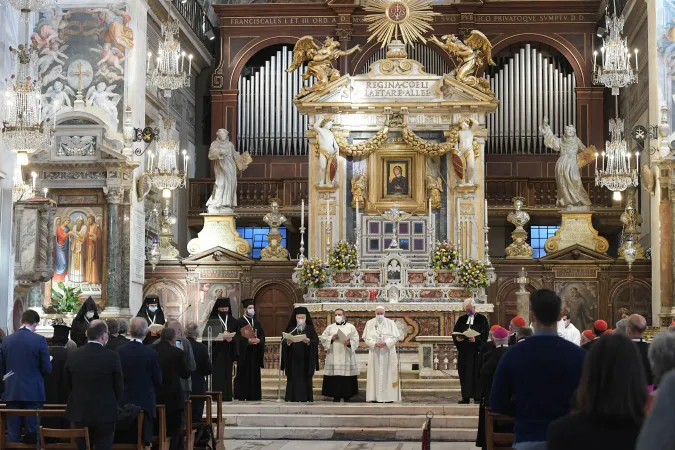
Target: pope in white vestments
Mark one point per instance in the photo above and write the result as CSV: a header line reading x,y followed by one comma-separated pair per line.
x,y
381,335
340,372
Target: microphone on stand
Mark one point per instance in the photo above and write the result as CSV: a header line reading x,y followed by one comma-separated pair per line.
x,y
186,310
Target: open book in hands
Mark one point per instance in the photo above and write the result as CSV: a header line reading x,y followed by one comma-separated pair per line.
x,y
155,329
294,338
224,335
468,333
342,336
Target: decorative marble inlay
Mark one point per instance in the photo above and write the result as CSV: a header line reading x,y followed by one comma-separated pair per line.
x,y
76,146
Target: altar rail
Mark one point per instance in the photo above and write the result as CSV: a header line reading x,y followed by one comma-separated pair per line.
x,y
542,192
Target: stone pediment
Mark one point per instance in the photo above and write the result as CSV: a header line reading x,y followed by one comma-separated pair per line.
x,y
577,254
216,255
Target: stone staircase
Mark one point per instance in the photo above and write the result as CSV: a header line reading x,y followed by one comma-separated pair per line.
x,y
348,421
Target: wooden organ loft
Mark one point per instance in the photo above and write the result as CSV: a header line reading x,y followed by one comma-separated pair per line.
x,y
543,68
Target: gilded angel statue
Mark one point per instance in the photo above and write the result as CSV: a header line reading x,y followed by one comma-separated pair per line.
x,y
320,59
469,57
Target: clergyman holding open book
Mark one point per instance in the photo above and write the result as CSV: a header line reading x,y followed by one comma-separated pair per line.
x,y
470,333
300,356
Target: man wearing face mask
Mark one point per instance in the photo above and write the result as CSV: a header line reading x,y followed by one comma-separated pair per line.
x,y
300,360
251,351
24,360
78,329
340,372
468,351
93,374
381,335
151,311
223,352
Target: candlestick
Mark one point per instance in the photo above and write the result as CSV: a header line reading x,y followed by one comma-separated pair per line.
x,y
486,213
302,214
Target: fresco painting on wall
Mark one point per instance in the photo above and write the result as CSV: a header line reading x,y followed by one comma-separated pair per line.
x,y
209,292
84,51
580,300
79,237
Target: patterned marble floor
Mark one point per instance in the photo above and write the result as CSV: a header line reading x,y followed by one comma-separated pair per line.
x,y
339,445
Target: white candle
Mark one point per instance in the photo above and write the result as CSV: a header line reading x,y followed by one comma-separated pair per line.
x,y
637,161
327,212
595,59
190,62
603,160
430,217
486,213
302,214
357,213
45,191
636,61
182,61
34,175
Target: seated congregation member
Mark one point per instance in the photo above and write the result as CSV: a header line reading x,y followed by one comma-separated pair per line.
x,y
536,379
250,351
174,368
381,335
468,351
599,327
516,324
142,375
658,431
223,352
152,312
24,360
586,337
523,333
94,376
635,330
489,362
340,372
299,360
610,400
202,369
78,329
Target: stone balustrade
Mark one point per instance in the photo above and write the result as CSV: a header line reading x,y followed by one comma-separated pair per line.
x,y
437,356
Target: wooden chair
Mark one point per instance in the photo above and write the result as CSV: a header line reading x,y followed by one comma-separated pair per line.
x,y
161,442
218,398
189,432
71,434
497,440
138,445
5,413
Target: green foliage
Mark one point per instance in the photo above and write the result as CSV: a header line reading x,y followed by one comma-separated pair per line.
x,y
66,299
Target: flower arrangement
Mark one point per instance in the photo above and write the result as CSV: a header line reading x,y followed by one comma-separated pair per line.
x,y
313,273
343,256
445,256
472,274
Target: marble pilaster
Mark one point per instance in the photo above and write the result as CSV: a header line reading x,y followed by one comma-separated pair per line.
x,y
113,291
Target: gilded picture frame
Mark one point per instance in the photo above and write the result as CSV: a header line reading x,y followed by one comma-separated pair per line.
x,y
396,175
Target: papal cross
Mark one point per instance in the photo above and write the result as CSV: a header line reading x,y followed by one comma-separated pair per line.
x,y
79,74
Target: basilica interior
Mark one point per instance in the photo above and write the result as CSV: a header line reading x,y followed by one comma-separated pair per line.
x,y
339,154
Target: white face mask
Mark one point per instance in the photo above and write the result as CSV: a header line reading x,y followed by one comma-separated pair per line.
x,y
338,319
89,314
380,317
250,312
152,309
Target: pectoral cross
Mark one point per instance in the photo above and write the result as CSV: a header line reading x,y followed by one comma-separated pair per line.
x,y
79,74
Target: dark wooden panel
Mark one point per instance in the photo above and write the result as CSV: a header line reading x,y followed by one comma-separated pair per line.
x,y
498,169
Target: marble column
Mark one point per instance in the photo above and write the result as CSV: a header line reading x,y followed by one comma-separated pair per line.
x,y
125,257
114,197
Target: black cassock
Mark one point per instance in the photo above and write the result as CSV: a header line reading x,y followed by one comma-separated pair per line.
x,y
56,388
156,318
299,361
468,354
488,367
247,384
223,355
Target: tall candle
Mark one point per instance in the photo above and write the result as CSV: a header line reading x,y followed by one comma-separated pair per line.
x,y
637,161
302,214
430,217
357,213
603,160
34,175
190,69
636,61
327,212
486,213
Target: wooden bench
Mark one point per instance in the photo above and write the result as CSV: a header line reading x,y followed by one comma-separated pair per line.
x,y
497,440
218,398
71,434
161,441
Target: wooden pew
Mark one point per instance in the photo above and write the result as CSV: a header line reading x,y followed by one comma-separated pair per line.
x,y
497,440
71,434
218,398
189,431
161,441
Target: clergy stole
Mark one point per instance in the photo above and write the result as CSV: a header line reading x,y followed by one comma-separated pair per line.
x,y
299,361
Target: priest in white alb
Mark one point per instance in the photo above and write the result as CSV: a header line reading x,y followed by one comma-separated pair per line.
x,y
381,335
340,372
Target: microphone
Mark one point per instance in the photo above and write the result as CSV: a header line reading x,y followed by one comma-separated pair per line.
x,y
186,310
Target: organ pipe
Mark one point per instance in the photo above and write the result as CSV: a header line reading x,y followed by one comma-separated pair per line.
x,y
268,122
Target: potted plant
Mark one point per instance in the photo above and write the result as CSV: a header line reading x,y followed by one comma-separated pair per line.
x,y
444,261
66,300
343,261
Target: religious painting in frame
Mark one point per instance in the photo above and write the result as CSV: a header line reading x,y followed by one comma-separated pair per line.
x,y
580,300
396,176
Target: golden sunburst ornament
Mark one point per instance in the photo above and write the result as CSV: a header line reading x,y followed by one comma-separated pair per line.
x,y
410,18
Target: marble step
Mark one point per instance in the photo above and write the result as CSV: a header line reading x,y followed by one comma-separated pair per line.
x,y
435,395
347,420
350,433
406,383
341,409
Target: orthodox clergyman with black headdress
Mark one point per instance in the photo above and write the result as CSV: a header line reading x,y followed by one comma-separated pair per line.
x,y
223,351
251,352
152,312
299,360
88,312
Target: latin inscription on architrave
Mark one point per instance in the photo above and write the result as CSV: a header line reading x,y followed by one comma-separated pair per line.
x,y
576,231
575,273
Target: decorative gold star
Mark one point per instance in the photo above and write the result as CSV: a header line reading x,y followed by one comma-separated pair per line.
x,y
411,18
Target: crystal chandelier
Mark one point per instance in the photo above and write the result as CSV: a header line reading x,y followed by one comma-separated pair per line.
x,y
26,6
167,73
616,71
23,130
616,173
165,174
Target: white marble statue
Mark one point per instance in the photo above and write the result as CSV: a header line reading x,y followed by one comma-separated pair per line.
x,y
328,152
571,192
224,194
59,99
104,98
466,150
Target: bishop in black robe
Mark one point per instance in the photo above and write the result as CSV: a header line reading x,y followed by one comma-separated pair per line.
x,y
251,352
56,388
300,360
78,329
223,352
152,312
468,351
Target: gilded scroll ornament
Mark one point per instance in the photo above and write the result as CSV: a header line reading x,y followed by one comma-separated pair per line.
x,y
320,65
469,57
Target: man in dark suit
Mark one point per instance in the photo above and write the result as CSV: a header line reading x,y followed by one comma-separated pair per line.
x,y
122,335
24,360
202,369
635,330
94,377
113,330
142,375
170,394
